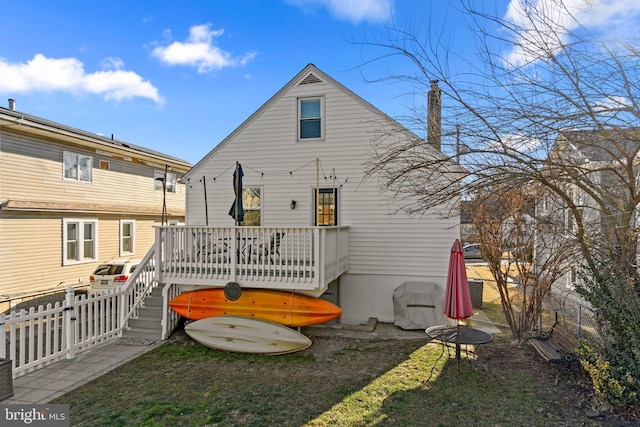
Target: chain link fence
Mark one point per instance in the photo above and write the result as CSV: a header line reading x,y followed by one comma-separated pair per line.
x,y
566,307
573,312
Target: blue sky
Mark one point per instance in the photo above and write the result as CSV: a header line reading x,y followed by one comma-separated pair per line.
x,y
179,76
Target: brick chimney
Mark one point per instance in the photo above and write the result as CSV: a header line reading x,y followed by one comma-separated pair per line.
x,y
434,116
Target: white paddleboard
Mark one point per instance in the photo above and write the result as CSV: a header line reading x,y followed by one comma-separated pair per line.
x,y
246,335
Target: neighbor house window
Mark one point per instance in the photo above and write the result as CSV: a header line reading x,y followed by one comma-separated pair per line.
x,y
127,237
251,204
77,167
545,204
158,179
310,118
79,241
326,212
571,223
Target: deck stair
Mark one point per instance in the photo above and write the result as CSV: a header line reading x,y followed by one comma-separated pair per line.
x,y
148,323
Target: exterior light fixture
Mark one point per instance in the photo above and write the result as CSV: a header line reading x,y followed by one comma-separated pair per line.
x,y
293,204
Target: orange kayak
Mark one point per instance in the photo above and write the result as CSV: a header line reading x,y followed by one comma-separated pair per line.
x,y
286,308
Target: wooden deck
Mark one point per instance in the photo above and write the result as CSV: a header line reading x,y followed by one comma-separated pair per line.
x,y
303,258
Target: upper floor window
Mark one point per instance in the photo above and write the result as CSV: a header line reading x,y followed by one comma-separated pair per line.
x,y
310,118
158,179
79,241
78,167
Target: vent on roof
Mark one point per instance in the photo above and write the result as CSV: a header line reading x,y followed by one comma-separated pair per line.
x,y
311,78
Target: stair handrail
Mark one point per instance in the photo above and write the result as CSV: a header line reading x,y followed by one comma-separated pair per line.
x,y
147,261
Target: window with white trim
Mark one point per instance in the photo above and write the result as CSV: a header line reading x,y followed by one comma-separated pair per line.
x,y
310,124
127,237
79,240
158,179
77,167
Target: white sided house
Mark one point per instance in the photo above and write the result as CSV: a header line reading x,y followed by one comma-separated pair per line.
x,y
312,223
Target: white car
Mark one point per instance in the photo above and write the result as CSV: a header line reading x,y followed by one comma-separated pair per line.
x,y
111,274
472,251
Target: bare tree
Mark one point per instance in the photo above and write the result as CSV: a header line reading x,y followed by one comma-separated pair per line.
x,y
517,115
517,240
547,103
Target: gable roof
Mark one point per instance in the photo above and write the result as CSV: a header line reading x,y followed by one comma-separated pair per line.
x,y
596,145
36,126
308,75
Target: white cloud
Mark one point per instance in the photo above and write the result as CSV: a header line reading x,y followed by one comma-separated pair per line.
x,y
544,26
549,23
351,10
118,85
619,17
517,142
613,104
112,63
42,74
200,51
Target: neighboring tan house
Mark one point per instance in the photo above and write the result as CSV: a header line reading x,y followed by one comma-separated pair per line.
x,y
312,222
70,199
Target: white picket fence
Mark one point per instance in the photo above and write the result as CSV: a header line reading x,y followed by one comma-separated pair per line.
x,y
39,336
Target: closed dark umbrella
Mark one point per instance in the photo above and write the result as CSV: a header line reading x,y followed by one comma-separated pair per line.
x,y
236,211
457,299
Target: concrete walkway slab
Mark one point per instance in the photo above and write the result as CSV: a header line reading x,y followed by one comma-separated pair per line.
x,y
50,382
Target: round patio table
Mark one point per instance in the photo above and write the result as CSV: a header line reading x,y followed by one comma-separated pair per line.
x,y
458,335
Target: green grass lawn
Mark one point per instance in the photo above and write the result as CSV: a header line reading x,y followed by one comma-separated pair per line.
x,y
336,382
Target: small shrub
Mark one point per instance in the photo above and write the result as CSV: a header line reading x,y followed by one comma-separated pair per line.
x,y
606,382
614,363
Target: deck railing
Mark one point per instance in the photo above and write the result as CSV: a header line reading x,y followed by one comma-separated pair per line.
x,y
138,286
267,257
41,335
306,258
